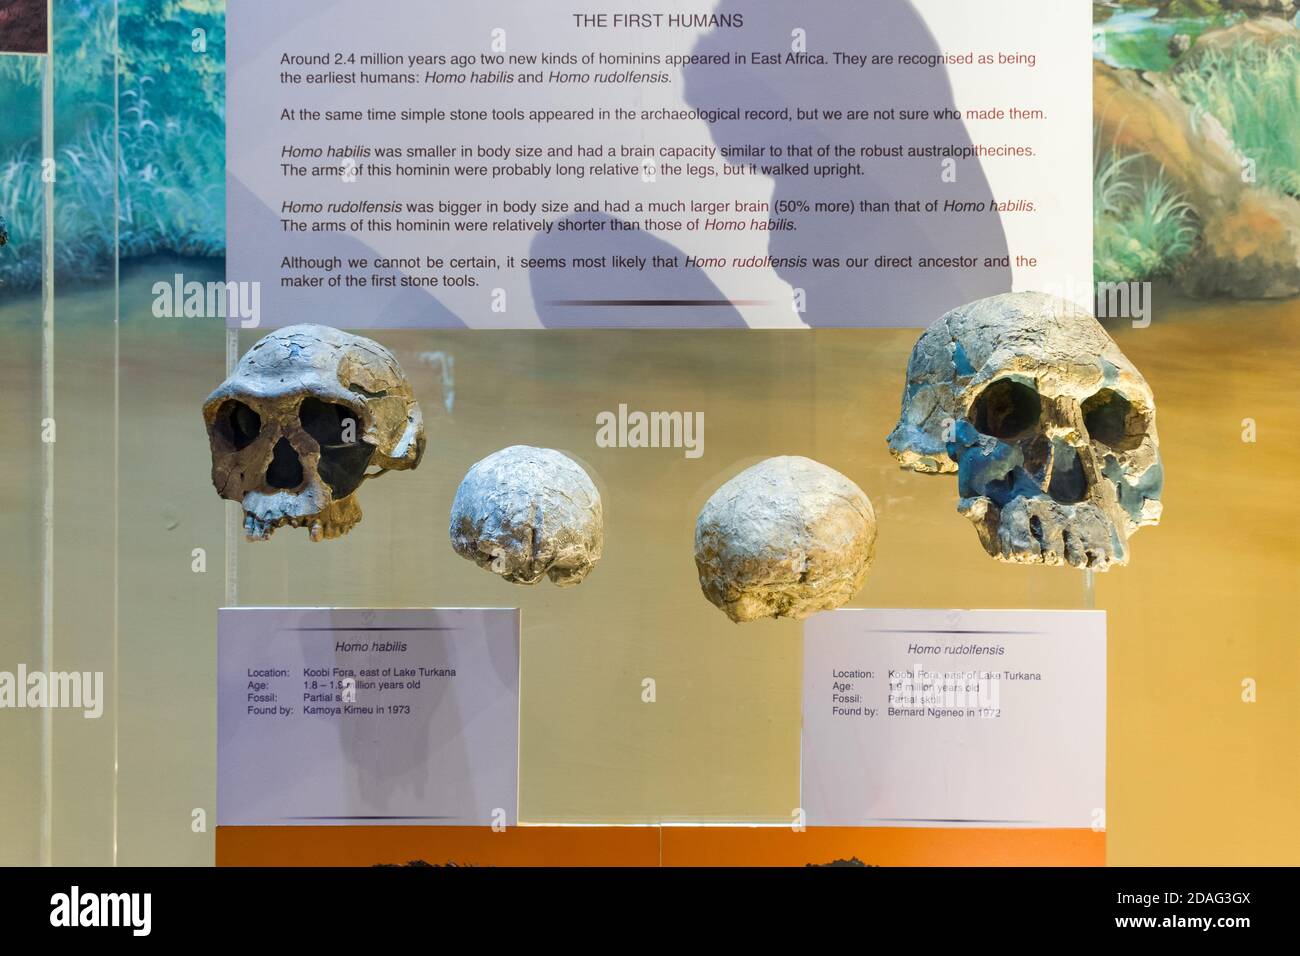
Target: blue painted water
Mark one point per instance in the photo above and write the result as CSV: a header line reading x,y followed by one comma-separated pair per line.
x,y
1138,39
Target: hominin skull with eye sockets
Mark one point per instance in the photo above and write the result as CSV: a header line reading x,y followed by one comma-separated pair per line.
x,y
1049,427
300,424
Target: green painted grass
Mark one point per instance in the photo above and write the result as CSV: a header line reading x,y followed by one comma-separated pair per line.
x,y
1142,228
167,164
1254,91
170,173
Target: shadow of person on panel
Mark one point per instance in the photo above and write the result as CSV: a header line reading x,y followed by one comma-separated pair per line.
x,y
581,297
863,295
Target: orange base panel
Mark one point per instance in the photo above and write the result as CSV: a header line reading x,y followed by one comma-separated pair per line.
x,y
656,846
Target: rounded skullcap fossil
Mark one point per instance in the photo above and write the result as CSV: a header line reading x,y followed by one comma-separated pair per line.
x,y
786,538
525,512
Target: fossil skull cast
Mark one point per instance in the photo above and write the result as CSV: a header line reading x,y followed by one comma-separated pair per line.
x,y
1051,430
526,513
300,422
787,537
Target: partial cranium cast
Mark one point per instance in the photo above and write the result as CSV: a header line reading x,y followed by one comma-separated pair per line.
x,y
786,538
1051,430
300,423
527,513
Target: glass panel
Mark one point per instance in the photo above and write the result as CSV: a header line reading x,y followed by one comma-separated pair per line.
x,y
171,541
25,136
83,570
721,742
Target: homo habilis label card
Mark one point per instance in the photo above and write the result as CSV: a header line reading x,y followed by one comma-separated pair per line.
x,y
513,164
405,716
955,718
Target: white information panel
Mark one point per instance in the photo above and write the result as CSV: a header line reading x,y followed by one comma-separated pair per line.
x,y
954,718
356,716
695,164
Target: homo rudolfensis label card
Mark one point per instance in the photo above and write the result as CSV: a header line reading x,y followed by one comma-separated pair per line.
x,y
954,718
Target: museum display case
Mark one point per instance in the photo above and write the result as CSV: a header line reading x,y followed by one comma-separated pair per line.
x,y
687,595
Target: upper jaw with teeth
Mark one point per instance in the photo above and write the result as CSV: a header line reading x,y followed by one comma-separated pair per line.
x,y
264,513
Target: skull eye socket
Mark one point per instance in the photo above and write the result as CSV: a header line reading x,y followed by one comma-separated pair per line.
x,y
337,429
237,424
1112,420
331,425
1006,409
